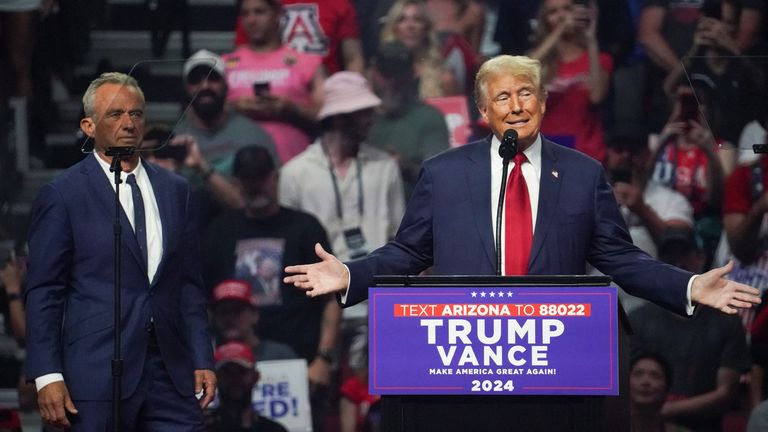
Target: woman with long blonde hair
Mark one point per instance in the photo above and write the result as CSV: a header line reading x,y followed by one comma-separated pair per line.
x,y
407,21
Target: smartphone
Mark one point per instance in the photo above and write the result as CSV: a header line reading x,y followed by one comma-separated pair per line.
x,y
162,136
712,9
261,88
175,152
689,108
621,175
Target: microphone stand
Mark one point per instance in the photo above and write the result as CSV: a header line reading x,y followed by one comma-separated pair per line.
x,y
507,149
500,208
118,154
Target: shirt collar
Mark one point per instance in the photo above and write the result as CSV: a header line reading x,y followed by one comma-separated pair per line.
x,y
316,152
138,171
533,152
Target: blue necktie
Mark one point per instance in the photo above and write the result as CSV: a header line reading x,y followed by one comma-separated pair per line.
x,y
139,219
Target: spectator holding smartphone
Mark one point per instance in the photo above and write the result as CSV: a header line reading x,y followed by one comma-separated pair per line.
x,y
575,74
666,30
715,57
687,160
288,110
181,154
649,208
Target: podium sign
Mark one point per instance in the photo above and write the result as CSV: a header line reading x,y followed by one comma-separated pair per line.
x,y
493,341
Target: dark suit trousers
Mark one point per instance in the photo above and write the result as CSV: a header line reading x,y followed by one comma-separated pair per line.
x,y
155,406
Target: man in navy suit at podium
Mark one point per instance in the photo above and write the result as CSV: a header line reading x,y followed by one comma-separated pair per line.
x,y
166,347
560,214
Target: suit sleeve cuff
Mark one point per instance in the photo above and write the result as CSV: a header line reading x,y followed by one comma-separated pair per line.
x,y
343,296
44,380
689,307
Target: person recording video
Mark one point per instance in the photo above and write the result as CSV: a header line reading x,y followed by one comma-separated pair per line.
x,y
181,154
648,207
168,359
687,158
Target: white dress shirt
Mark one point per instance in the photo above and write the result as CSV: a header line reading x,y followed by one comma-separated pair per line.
x,y
153,224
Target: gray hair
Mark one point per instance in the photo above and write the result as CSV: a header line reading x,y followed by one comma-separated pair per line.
x,y
507,65
108,78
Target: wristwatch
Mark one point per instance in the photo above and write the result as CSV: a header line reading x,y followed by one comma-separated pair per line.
x,y
327,354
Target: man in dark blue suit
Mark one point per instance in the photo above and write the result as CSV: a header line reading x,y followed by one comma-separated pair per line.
x,y
167,351
570,218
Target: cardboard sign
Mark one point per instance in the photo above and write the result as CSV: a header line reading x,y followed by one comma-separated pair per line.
x,y
493,341
456,117
282,393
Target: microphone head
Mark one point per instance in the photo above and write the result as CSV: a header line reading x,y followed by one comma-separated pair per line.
x,y
508,146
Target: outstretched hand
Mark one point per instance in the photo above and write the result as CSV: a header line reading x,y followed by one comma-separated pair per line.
x,y
325,277
713,290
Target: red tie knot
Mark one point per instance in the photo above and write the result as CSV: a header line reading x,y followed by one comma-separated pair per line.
x,y
520,159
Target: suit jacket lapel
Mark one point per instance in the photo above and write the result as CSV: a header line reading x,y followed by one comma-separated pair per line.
x,y
163,198
478,173
549,190
104,193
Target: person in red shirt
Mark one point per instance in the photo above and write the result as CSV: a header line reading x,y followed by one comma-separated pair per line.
x,y
328,28
687,160
575,73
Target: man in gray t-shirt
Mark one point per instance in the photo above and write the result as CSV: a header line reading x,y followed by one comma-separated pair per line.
x,y
219,132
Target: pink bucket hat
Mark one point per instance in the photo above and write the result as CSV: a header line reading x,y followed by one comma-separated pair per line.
x,y
346,92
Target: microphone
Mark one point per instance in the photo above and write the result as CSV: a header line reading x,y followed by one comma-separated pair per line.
x,y
507,150
508,147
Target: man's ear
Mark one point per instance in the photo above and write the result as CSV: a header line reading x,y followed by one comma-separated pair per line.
x,y
483,109
87,126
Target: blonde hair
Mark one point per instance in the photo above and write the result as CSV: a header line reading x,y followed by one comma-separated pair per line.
x,y
507,65
108,78
427,59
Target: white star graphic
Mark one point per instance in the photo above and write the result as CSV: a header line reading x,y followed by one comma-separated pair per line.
x,y
482,294
509,293
474,294
492,294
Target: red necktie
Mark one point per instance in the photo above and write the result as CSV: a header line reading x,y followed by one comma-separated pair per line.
x,y
518,225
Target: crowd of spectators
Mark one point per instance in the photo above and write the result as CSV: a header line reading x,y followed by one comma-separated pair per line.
x,y
307,131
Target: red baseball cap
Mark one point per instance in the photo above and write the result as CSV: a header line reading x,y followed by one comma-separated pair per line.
x,y
235,352
236,290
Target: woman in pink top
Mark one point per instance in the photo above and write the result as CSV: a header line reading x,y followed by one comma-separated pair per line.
x,y
272,83
575,74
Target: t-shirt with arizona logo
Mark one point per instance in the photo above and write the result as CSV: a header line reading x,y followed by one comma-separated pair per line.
x,y
316,27
290,74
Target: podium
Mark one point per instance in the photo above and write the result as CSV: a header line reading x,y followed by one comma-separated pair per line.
x,y
410,412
